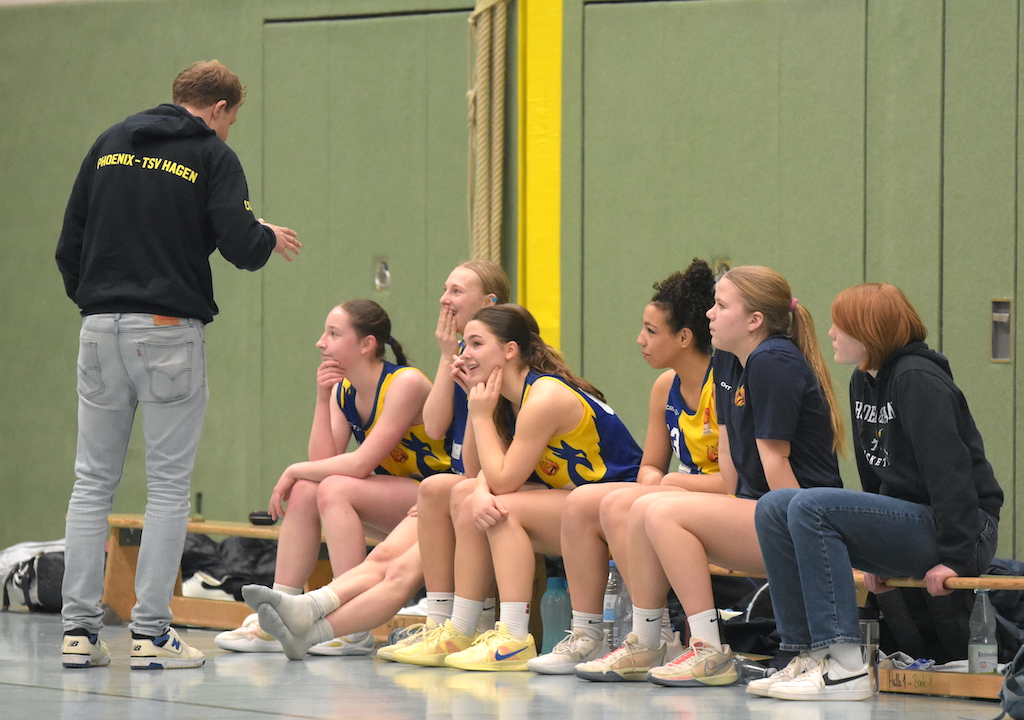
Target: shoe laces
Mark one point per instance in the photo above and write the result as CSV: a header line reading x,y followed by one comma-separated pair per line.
x,y
693,654
571,643
411,634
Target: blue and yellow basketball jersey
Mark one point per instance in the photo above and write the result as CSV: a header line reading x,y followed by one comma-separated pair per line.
x,y
416,455
694,433
599,449
457,430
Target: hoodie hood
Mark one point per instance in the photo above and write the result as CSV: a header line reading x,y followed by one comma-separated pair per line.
x,y
919,349
164,121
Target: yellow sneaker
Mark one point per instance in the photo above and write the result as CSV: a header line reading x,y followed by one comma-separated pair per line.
x,y
497,649
409,635
438,644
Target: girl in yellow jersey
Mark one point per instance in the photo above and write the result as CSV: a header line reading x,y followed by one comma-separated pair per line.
x,y
362,493
372,592
681,421
533,425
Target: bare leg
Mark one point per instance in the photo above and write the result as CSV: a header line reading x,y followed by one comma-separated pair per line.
x,y
532,526
585,548
380,603
371,594
648,584
298,546
437,532
474,572
689,530
350,508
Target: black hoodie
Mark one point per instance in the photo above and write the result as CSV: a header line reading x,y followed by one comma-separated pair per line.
x,y
915,439
155,196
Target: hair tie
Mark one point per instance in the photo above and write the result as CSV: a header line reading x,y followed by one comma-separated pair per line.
x,y
792,304
390,340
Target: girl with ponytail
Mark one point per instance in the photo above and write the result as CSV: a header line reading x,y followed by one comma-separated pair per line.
x,y
350,495
681,422
778,427
536,431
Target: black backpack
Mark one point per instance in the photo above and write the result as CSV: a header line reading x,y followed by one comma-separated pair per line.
x,y
36,583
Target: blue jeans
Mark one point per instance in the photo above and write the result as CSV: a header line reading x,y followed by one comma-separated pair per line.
x,y
811,540
127,360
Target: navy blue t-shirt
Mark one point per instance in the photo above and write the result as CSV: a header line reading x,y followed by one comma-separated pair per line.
x,y
775,397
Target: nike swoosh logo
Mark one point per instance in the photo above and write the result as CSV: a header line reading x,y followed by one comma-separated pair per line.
x,y
829,681
657,619
711,668
499,656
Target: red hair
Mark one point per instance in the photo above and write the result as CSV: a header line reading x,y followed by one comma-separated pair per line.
x,y
879,316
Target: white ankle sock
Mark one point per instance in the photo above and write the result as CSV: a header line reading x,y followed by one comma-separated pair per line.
x,y
516,617
590,623
325,599
439,606
848,655
465,614
287,590
704,625
647,626
486,621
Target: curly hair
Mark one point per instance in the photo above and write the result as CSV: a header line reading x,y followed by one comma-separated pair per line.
x,y
685,297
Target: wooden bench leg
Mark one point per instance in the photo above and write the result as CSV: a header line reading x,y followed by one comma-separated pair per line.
x,y
119,577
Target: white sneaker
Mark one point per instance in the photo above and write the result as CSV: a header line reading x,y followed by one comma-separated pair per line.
x,y
828,680
167,652
84,651
797,666
578,646
673,644
248,638
355,644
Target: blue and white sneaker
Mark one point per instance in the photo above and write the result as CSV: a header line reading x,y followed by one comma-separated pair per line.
x,y
167,652
84,651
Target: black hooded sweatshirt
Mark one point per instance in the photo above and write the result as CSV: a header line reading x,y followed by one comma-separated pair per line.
x,y
915,439
155,196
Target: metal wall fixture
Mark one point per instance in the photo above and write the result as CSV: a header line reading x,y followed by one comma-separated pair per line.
x,y
382,276
1001,332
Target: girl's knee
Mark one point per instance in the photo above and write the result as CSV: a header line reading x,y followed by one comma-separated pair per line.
x,y
332,492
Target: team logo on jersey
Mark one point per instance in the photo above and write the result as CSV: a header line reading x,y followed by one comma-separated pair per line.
x,y
399,455
713,453
423,452
707,422
576,458
548,467
741,396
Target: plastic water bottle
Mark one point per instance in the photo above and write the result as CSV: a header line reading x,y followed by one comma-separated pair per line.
x,y
982,649
611,598
618,608
555,613
623,614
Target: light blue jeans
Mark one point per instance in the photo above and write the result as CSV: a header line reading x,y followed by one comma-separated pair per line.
x,y
127,360
811,539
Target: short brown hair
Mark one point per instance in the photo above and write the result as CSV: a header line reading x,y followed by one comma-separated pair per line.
x,y
879,316
206,83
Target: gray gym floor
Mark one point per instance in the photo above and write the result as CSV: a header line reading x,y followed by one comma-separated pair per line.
x,y
34,685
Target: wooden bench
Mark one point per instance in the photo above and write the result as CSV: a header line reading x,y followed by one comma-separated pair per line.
x,y
123,558
924,682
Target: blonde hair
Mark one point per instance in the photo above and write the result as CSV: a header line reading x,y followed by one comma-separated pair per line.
x,y
880,317
492,278
765,291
